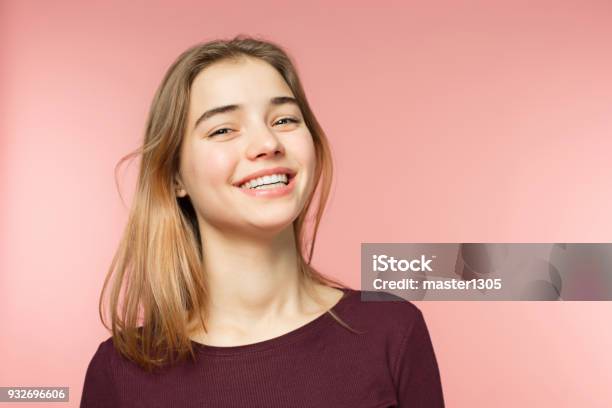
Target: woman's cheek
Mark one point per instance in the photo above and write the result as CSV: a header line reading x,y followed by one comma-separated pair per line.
x,y
304,150
213,167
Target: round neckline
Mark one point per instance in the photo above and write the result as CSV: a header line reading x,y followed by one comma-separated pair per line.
x,y
285,338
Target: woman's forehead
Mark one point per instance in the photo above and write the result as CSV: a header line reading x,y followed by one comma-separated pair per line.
x,y
247,79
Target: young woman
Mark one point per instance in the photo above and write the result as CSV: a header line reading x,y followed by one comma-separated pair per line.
x,y
213,302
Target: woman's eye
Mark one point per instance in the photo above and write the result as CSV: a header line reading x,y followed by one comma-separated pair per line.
x,y
292,120
219,132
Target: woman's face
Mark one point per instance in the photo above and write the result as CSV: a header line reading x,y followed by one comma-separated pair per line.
x,y
223,148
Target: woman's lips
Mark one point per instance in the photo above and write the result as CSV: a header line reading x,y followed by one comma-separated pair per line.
x,y
272,192
267,172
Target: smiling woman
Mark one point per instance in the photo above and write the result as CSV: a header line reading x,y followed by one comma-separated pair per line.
x,y
215,261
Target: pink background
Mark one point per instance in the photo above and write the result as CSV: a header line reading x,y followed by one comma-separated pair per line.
x,y
450,122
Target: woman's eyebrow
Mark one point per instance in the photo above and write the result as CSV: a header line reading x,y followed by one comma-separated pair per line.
x,y
278,100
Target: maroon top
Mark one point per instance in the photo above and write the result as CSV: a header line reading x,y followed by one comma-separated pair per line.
x,y
320,364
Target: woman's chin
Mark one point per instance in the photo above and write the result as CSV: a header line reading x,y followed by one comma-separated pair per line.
x,y
273,223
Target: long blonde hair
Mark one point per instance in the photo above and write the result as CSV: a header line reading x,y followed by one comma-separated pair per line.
x,y
157,276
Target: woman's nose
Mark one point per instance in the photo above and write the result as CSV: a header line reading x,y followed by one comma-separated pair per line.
x,y
264,141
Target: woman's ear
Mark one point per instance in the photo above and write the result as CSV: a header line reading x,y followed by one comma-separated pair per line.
x,y
178,187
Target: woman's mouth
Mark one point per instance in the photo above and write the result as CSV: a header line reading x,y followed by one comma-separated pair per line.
x,y
269,187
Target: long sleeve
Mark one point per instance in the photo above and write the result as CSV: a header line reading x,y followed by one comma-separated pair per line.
x,y
98,387
417,373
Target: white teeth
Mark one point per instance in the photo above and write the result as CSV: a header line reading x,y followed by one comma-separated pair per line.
x,y
269,186
272,179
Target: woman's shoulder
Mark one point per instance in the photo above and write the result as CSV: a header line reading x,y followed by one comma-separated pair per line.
x,y
104,350
108,352
381,311
379,303
395,330
98,385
